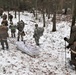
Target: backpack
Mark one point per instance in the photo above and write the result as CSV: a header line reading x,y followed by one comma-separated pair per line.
x,y
13,28
20,26
40,31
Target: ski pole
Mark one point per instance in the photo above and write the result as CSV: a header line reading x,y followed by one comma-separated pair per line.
x,y
65,54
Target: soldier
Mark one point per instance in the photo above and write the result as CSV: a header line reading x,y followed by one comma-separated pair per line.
x,y
13,29
10,17
72,46
3,36
37,33
20,27
5,22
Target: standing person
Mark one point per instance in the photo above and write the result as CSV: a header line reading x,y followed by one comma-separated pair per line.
x,y
38,32
3,36
4,21
10,17
72,46
13,29
20,27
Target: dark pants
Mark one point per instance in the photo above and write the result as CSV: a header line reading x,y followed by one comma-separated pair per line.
x,y
73,58
6,43
13,35
10,20
37,40
20,34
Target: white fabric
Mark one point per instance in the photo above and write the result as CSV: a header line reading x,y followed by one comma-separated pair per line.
x,y
28,49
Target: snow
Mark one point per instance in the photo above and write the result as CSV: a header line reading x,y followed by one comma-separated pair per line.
x,y
51,60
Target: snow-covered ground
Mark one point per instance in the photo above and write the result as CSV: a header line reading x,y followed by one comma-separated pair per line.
x,y
51,60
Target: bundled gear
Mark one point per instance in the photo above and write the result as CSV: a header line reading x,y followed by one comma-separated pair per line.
x,y
38,32
13,29
72,45
20,27
3,36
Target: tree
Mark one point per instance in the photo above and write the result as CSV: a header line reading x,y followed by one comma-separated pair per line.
x,y
73,15
54,17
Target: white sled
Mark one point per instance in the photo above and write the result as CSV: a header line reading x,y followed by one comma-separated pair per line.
x,y
28,49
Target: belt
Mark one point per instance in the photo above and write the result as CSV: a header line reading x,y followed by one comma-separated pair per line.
x,y
73,51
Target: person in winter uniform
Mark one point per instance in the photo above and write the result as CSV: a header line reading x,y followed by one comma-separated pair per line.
x,y
5,22
3,36
13,29
20,27
72,46
10,17
37,33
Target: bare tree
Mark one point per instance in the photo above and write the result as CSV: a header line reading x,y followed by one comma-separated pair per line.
x,y
73,15
54,17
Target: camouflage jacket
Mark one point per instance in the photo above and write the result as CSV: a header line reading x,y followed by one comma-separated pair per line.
x,y
38,31
13,28
3,32
72,38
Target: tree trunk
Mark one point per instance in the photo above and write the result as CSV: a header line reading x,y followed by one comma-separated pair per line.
x,y
73,16
19,15
8,14
15,13
43,18
48,13
36,10
54,22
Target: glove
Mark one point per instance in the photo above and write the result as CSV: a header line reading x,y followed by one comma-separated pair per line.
x,y
67,47
65,38
33,36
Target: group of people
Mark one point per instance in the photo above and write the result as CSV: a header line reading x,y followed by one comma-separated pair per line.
x,y
4,30
38,32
